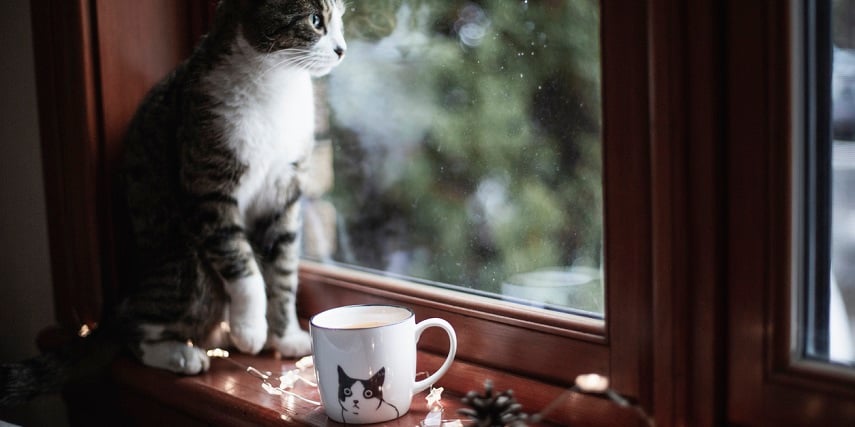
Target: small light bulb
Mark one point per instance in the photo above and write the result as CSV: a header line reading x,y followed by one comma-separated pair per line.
x,y
288,380
592,383
434,398
270,389
306,362
218,353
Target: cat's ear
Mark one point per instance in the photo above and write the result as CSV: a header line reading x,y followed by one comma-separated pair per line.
x,y
379,377
342,376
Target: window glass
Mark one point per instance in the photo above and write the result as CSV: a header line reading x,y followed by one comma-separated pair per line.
x,y
830,182
842,293
466,149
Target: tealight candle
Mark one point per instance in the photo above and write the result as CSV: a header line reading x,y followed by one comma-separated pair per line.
x,y
592,383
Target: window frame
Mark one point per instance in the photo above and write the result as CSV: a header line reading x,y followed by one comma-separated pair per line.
x,y
811,182
696,193
85,104
766,384
585,345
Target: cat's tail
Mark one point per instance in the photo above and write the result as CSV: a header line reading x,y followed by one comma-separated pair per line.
x,y
48,373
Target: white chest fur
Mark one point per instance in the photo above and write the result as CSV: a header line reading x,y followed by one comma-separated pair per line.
x,y
270,112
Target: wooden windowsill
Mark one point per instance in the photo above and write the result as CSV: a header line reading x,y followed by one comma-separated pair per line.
x,y
228,395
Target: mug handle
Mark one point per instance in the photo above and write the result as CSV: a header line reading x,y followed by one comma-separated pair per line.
x,y
452,350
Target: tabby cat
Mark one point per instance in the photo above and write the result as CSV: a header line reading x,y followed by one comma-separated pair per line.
x,y
215,163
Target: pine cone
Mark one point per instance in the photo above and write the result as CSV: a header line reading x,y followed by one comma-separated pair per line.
x,y
489,410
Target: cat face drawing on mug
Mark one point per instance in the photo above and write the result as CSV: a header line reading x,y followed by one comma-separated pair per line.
x,y
363,398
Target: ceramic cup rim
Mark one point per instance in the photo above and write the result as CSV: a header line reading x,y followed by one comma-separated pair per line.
x,y
313,321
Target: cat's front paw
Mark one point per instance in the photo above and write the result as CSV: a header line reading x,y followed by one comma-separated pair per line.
x,y
295,343
248,337
247,314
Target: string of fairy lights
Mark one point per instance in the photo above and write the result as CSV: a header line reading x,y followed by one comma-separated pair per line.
x,y
502,405
287,379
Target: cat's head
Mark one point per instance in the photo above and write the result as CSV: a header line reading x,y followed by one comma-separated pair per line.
x,y
307,34
356,395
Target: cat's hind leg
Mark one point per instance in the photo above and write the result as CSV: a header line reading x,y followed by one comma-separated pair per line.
x,y
175,356
174,309
170,354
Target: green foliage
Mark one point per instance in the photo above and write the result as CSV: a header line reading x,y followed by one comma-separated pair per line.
x,y
506,178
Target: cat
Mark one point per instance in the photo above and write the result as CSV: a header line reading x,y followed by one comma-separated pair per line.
x,y
378,234
215,161
361,397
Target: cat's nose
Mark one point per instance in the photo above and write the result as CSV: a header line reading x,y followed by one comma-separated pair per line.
x,y
339,51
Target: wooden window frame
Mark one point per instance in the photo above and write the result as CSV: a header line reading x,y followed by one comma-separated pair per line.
x,y
768,385
696,192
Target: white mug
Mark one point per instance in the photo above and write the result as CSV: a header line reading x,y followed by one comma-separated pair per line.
x,y
365,361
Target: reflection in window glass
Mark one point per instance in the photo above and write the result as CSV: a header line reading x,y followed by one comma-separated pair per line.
x,y
467,147
842,295
840,299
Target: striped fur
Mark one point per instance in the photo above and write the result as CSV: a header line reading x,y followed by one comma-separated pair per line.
x,y
215,161
214,170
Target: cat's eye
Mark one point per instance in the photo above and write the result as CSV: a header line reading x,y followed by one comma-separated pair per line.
x,y
348,392
317,21
368,394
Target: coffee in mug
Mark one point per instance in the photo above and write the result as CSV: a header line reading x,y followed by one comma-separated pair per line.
x,y
365,361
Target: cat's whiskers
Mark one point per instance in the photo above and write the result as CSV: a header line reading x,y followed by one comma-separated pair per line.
x,y
264,59
301,59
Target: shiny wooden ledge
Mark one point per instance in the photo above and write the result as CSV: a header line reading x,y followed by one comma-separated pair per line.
x,y
134,394
227,395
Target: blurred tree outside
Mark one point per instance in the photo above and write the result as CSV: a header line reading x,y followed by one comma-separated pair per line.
x,y
467,140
